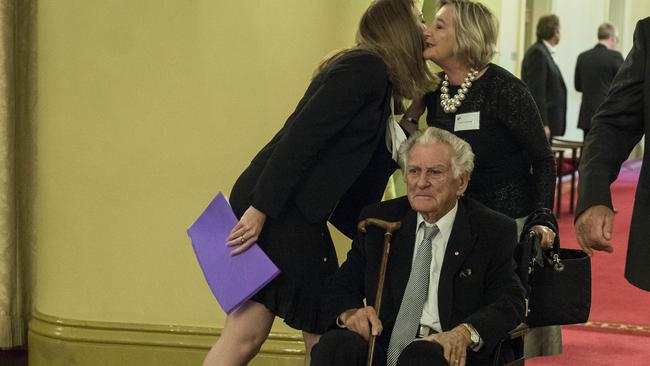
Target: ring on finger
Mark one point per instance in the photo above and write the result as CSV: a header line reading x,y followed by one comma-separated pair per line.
x,y
241,239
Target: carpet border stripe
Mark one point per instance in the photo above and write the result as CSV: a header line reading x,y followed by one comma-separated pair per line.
x,y
620,327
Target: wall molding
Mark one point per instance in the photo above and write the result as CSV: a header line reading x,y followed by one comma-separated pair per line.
x,y
148,335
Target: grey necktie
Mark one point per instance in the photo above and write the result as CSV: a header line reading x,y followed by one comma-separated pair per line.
x,y
417,288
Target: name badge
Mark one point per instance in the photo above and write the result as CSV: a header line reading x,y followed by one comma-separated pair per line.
x,y
467,121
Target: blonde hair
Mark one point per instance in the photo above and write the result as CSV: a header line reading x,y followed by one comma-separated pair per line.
x,y
605,31
476,30
462,161
389,29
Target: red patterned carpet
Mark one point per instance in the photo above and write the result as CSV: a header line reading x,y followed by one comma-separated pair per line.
x,y
583,346
618,331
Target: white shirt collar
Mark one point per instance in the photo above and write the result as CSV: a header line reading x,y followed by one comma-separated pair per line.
x,y
445,223
550,47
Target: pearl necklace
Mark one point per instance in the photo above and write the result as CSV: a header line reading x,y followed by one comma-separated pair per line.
x,y
451,104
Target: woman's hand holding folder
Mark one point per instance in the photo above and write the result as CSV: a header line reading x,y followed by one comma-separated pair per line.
x,y
247,230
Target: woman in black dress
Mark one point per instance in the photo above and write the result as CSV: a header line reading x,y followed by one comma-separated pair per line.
x,y
327,161
492,110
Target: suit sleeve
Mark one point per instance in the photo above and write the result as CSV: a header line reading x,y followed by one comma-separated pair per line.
x,y
503,292
616,128
577,76
534,74
336,100
618,61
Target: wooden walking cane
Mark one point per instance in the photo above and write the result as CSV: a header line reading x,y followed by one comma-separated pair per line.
x,y
389,227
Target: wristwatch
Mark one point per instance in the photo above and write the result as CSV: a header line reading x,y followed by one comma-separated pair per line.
x,y
474,337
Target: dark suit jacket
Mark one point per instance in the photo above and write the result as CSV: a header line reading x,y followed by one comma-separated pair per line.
x,y
619,124
544,79
595,70
331,144
490,298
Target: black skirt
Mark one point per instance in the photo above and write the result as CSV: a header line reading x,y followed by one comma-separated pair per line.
x,y
304,253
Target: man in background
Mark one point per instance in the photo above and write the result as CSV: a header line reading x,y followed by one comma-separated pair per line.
x,y
620,122
542,75
595,71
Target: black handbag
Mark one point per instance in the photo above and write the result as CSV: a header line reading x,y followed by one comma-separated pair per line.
x,y
560,285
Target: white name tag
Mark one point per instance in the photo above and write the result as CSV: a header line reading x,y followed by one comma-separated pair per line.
x,y
467,121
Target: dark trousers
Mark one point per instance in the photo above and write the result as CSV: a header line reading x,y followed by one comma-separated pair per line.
x,y
346,348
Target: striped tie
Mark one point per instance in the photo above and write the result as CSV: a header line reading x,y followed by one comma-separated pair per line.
x,y
417,288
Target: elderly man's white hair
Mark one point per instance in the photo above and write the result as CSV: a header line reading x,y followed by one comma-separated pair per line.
x,y
462,159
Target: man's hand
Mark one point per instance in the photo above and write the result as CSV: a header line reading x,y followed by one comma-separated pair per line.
x,y
363,321
594,229
454,343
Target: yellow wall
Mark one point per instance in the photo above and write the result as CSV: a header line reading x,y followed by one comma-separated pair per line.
x,y
430,7
146,109
639,9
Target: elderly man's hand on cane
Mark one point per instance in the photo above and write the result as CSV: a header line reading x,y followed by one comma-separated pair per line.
x,y
363,321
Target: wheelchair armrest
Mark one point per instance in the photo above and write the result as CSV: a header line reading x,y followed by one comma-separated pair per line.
x,y
515,340
519,331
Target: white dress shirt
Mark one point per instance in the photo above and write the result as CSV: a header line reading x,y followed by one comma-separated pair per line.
x,y
430,314
551,49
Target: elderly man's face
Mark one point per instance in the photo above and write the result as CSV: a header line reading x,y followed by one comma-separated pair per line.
x,y
431,186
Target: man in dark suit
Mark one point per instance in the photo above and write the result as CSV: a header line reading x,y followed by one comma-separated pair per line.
x,y
542,75
595,70
619,124
450,279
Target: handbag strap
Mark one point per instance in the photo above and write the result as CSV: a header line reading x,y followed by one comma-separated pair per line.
x,y
544,257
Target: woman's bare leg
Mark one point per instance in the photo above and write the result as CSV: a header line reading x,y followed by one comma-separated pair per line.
x,y
310,340
242,336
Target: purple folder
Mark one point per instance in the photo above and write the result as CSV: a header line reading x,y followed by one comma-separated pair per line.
x,y
232,279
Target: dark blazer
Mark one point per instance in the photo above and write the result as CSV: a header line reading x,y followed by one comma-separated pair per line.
x,y
619,124
595,70
544,80
490,297
331,144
